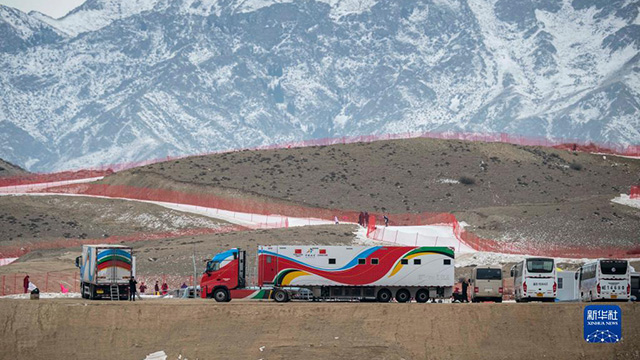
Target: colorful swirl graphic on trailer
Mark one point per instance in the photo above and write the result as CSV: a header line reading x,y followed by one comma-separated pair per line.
x,y
113,258
375,265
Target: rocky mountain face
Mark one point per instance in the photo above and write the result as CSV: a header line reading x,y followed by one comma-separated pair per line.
x,y
117,80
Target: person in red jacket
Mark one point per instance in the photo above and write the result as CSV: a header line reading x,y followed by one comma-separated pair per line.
x,y
25,284
165,288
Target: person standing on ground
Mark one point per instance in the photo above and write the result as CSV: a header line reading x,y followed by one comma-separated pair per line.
x,y
465,288
143,287
165,288
132,288
335,219
366,219
386,221
25,284
157,289
361,219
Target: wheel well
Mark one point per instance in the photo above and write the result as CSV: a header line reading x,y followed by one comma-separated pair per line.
x,y
210,295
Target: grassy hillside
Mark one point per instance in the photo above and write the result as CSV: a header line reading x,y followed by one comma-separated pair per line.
x,y
503,191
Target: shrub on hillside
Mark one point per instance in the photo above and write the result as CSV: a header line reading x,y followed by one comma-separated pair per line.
x,y
466,180
575,166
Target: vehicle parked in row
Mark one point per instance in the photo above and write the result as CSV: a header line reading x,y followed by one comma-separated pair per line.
x,y
380,273
635,286
535,279
486,282
105,271
606,280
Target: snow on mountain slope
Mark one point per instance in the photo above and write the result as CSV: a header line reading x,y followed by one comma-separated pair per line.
x,y
150,78
95,14
19,31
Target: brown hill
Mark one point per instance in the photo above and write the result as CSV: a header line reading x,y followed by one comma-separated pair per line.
x,y
507,192
8,169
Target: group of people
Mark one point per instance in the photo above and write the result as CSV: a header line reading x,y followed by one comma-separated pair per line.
x,y
462,296
363,219
158,290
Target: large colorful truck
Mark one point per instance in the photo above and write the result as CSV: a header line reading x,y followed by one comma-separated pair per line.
x,y
380,273
105,271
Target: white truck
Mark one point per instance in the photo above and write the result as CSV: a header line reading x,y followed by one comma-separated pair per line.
x,y
105,271
379,273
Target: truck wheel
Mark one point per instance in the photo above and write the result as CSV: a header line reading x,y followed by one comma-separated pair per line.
x,y
221,295
92,292
403,295
384,295
280,296
422,296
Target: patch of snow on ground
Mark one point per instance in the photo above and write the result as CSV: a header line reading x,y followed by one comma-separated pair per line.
x,y
158,355
43,295
625,199
7,261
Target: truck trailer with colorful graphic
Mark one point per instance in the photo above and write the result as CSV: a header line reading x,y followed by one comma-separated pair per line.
x,y
105,271
380,273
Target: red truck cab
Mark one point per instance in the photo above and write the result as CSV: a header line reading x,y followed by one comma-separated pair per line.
x,y
224,272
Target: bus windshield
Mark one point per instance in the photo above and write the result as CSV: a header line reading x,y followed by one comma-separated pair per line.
x,y
488,274
613,267
540,265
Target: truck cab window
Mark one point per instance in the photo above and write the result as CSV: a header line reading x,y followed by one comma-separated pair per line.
x,y
213,266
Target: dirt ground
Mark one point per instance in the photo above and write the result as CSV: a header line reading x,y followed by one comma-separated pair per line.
x,y
8,169
511,192
26,220
200,329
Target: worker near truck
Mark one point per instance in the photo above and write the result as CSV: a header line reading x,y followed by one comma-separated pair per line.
x,y
132,288
25,284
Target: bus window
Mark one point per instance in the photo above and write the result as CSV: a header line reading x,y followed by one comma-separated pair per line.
x,y
488,274
540,265
613,267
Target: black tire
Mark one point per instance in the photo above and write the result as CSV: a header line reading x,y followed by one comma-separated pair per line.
x,y
403,295
384,295
221,295
422,296
82,286
92,292
280,296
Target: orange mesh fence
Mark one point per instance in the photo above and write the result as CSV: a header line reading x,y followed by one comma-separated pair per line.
x,y
635,192
277,209
53,177
17,251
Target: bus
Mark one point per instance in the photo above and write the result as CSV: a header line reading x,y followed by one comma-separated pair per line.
x,y
486,282
535,279
605,280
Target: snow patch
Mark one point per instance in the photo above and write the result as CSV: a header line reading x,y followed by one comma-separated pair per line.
x,y
625,199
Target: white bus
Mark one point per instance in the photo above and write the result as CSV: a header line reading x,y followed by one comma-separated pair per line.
x,y
535,279
608,280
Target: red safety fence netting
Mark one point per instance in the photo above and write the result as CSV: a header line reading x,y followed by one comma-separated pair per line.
x,y
635,192
19,250
269,208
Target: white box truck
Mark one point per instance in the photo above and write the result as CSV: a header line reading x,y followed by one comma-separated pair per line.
x,y
105,271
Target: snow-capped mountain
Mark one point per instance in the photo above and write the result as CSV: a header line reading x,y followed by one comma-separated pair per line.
x,y
118,80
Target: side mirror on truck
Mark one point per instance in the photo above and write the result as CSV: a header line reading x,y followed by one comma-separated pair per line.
x,y
79,261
